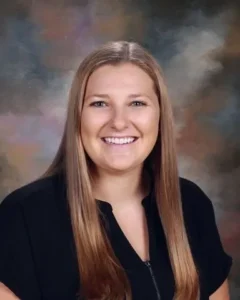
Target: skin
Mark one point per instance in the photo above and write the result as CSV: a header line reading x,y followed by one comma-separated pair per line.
x,y
119,168
222,293
6,294
126,106
120,101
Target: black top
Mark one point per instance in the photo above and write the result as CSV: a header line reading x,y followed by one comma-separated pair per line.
x,y
37,254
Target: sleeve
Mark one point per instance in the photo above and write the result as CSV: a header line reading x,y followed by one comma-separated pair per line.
x,y
16,266
217,262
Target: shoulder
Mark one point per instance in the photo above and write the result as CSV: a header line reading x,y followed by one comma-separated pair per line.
x,y
194,199
40,190
190,189
27,208
213,262
27,219
198,212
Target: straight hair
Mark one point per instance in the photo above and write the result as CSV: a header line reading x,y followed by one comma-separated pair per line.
x,y
101,274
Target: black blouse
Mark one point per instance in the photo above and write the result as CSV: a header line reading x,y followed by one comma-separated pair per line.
x,y
37,254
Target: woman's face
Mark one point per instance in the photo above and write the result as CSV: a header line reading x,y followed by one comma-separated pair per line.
x,y
120,117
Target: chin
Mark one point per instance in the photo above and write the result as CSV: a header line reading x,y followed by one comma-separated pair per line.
x,y
120,168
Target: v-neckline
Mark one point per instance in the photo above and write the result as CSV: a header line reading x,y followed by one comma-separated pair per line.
x,y
124,237
107,210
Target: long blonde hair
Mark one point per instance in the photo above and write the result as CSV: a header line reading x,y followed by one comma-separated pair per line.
x,y
101,274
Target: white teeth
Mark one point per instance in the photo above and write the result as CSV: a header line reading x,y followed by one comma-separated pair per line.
x,y
119,141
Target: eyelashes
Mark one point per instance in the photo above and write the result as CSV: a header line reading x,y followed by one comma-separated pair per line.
x,y
105,104
138,103
98,104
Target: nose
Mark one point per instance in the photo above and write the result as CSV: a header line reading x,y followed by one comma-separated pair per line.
x,y
119,119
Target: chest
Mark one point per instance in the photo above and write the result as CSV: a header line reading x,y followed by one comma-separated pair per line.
x,y
55,263
132,223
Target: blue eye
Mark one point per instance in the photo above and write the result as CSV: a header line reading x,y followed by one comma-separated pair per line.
x,y
138,103
98,104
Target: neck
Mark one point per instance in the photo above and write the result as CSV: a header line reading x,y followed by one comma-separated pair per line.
x,y
120,190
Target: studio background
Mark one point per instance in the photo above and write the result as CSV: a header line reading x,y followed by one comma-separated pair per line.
x,y
197,44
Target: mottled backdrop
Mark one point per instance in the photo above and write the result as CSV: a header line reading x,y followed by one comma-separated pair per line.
x,y
196,42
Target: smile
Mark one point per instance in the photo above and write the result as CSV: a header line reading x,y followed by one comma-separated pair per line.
x,y
119,141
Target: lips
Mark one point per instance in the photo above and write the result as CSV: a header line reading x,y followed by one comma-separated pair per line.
x,y
119,140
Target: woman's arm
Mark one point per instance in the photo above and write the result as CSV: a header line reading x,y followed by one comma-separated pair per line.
x,y
222,293
6,294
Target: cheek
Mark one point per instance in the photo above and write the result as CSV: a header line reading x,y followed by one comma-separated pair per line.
x,y
84,128
149,123
91,123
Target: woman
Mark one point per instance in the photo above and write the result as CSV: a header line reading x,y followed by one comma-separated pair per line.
x,y
111,219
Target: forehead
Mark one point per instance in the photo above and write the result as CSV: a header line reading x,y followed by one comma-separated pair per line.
x,y
120,76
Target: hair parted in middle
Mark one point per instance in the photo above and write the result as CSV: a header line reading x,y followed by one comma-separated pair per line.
x,y
101,274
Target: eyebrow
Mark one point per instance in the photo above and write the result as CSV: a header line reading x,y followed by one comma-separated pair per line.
x,y
107,96
97,96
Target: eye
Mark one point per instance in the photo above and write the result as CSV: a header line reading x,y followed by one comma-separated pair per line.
x,y
138,103
98,104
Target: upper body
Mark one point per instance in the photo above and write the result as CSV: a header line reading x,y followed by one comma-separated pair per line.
x,y
38,260
141,237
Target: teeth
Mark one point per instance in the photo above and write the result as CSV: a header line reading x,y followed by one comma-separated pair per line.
x,y
119,141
